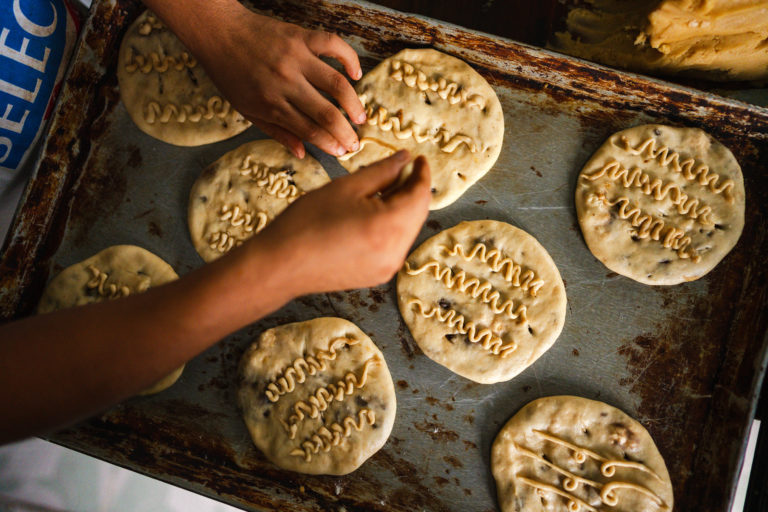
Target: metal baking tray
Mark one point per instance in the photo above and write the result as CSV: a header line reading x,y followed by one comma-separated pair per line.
x,y
685,360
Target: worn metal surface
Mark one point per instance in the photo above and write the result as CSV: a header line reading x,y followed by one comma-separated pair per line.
x,y
684,360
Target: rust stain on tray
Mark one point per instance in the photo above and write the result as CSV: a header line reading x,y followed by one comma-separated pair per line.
x,y
693,384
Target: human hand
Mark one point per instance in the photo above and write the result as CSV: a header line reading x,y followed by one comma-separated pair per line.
x,y
346,234
271,72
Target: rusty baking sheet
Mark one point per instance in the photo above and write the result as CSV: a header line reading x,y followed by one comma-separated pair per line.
x,y
685,360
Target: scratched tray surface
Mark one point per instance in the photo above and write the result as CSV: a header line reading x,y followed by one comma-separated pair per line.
x,y
683,360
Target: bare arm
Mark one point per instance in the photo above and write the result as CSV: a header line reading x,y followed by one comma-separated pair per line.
x,y
60,367
271,71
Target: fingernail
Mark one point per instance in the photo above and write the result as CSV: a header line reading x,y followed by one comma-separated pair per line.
x,y
355,145
358,75
340,151
400,155
361,119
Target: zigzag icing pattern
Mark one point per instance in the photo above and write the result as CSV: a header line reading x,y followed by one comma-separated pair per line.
x,y
656,188
473,287
447,141
151,23
297,371
449,91
214,107
326,438
572,481
454,320
323,397
513,274
223,241
98,281
158,64
648,226
667,157
251,222
275,182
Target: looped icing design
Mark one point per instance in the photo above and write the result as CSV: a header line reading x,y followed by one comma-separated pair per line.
x,y
512,272
214,107
688,168
297,371
449,91
98,282
457,322
154,62
471,286
326,438
571,481
684,204
648,226
149,24
276,182
320,400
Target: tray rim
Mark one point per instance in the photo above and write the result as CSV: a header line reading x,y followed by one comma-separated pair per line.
x,y
15,286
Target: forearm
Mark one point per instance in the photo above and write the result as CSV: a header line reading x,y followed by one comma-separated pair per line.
x,y
200,24
63,366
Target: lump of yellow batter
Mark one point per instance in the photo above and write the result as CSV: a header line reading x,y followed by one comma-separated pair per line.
x,y
714,39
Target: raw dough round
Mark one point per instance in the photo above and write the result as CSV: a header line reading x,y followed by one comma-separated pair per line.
x,y
661,205
115,272
317,396
570,453
483,298
166,91
240,193
434,105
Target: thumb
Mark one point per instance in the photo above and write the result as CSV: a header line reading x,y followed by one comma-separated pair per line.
x,y
378,176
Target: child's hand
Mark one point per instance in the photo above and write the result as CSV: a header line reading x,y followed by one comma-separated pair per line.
x,y
272,73
344,235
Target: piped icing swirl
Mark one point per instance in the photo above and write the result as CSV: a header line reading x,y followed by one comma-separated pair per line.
x,y
451,318
326,438
472,286
688,167
449,91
